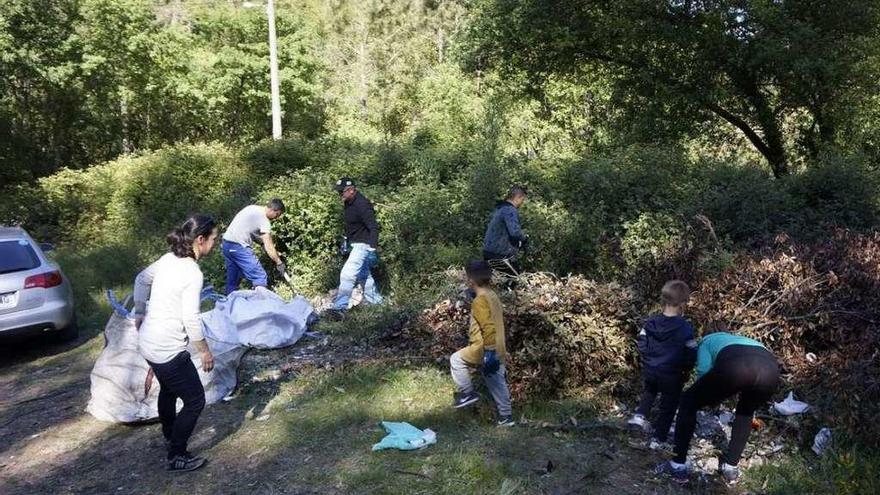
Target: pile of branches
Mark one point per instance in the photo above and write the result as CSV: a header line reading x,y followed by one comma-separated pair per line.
x,y
562,334
817,307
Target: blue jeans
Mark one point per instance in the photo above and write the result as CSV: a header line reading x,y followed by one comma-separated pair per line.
x,y
356,270
241,260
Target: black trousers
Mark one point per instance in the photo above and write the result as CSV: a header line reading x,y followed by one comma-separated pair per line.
x,y
668,386
501,263
750,371
179,379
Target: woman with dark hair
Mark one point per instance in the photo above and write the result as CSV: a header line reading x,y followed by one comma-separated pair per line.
x,y
728,365
172,285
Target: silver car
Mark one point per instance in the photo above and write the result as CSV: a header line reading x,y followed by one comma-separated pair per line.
x,y
35,296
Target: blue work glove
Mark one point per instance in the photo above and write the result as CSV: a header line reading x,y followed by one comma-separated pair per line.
x,y
491,364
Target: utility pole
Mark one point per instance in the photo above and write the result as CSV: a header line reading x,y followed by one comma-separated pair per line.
x,y
273,72
273,67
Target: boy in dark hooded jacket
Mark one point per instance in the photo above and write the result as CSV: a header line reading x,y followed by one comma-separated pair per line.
x,y
668,350
504,237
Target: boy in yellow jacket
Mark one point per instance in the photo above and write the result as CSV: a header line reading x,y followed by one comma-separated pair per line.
x,y
485,349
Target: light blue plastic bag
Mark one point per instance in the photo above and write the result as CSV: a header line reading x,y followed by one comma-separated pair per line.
x,y
404,436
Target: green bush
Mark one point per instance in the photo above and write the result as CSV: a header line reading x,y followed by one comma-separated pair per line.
x,y
655,248
744,203
835,190
309,232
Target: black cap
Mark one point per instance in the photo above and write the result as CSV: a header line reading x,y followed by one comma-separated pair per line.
x,y
342,183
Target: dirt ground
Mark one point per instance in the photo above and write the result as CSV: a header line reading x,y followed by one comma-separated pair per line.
x,y
302,422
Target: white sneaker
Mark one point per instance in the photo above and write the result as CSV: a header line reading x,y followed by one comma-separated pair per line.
x,y
730,473
638,420
655,444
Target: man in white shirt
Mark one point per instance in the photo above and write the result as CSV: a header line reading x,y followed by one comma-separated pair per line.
x,y
238,252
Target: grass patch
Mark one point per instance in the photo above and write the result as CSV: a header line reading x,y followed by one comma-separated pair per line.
x,y
323,425
848,470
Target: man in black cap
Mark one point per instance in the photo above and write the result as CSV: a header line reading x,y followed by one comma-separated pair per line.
x,y
362,233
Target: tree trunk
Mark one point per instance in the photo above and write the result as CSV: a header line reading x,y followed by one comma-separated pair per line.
x,y
770,146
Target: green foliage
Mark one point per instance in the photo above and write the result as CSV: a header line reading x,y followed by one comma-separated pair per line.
x,y
836,190
779,72
309,232
87,81
846,470
656,247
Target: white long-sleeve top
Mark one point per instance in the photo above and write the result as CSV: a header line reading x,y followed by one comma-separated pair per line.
x,y
172,286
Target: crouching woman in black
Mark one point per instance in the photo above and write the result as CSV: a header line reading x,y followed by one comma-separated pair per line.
x,y
727,365
173,286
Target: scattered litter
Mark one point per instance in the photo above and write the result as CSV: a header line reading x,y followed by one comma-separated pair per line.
x,y
725,417
811,358
822,441
404,436
708,425
339,389
790,406
264,417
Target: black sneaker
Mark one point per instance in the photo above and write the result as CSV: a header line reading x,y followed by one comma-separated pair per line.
x,y
334,315
185,462
678,474
465,400
505,421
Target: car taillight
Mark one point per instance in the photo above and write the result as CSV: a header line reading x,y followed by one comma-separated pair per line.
x,y
44,280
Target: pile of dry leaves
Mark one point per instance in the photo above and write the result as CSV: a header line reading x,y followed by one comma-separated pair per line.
x,y
562,333
816,306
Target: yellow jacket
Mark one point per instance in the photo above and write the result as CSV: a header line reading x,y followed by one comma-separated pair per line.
x,y
486,329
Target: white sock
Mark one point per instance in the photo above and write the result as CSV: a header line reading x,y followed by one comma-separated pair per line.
x,y
677,465
727,466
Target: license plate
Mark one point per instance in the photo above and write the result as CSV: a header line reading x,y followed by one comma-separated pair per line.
x,y
7,300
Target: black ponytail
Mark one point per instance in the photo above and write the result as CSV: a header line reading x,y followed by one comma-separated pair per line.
x,y
181,239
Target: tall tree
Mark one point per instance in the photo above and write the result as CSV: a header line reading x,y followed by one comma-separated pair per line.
x,y
762,66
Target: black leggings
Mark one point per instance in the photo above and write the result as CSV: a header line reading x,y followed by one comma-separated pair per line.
x,y
668,386
750,371
178,378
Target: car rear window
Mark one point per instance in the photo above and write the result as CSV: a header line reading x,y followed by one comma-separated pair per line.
x,y
16,256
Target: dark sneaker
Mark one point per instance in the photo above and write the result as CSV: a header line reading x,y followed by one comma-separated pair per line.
x,y
334,314
184,463
728,472
505,421
678,474
465,400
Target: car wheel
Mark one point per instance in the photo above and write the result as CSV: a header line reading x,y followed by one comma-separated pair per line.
x,y
68,333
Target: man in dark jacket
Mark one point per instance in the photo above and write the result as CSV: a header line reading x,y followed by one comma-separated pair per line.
x,y
668,350
504,238
362,235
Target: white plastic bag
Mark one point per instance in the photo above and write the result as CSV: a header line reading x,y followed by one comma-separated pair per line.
x,y
790,406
